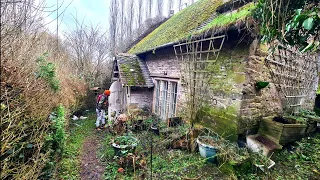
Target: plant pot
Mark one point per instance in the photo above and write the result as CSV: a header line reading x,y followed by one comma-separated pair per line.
x,y
281,133
206,150
155,130
123,149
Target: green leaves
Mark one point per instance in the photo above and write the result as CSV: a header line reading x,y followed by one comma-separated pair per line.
x,y
296,25
47,71
308,23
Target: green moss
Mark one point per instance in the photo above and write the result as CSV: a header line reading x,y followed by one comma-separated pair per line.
x,y
183,24
69,167
228,71
239,78
179,26
230,18
221,120
134,77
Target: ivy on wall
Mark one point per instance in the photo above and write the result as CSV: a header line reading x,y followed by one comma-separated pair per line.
x,y
292,23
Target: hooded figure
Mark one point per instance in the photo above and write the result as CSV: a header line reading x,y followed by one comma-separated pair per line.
x,y
101,107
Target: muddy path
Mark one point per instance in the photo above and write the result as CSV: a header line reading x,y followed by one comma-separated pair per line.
x,y
91,168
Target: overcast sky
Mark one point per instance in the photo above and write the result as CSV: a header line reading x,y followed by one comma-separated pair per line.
x,y
96,13
91,11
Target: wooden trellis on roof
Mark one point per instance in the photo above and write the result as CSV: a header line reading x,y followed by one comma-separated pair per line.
x,y
294,75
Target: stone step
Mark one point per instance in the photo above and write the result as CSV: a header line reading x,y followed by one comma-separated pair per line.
x,y
258,143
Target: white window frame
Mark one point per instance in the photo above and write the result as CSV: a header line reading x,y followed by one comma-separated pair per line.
x,y
157,97
166,97
173,99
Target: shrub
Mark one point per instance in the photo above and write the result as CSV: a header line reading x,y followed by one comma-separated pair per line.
x,y
47,72
54,142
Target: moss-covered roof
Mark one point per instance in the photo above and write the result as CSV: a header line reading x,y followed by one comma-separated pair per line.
x,y
187,22
133,72
227,19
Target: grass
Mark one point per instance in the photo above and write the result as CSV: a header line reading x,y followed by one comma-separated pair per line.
x,y
298,161
166,164
69,167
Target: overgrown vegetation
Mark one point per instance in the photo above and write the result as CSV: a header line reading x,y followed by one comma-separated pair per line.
x,y
54,142
293,23
69,166
298,161
231,18
47,71
31,88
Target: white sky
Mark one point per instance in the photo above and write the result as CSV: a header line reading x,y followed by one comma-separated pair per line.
x,y
91,11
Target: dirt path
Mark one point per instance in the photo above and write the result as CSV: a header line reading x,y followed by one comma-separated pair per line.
x,y
91,168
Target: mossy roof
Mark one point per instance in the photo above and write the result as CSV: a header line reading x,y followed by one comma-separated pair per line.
x,y
193,20
133,71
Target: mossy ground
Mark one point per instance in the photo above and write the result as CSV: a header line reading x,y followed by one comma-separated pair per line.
x,y
69,167
166,163
297,161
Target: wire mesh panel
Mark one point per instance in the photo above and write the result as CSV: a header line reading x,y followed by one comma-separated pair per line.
x,y
294,75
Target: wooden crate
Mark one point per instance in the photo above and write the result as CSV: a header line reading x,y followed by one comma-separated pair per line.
x,y
281,133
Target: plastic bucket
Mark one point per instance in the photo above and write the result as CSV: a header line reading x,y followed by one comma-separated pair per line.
x,y
207,151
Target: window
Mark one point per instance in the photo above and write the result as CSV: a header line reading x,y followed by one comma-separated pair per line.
x,y
157,97
165,101
163,106
173,99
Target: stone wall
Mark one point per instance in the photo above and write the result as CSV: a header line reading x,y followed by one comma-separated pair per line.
x,y
267,101
164,66
235,89
257,103
163,63
141,97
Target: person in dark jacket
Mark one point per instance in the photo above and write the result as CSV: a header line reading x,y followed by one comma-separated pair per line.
x,y
101,108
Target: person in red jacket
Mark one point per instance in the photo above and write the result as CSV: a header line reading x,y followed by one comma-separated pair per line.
x,y
101,108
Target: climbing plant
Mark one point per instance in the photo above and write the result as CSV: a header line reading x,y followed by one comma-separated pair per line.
x,y
292,23
47,71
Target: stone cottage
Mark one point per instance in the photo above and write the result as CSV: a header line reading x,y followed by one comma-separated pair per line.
x,y
218,37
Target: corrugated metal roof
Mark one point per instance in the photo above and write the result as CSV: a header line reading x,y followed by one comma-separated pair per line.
x,y
133,71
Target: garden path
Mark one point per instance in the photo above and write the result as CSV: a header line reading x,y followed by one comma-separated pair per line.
x,y
91,168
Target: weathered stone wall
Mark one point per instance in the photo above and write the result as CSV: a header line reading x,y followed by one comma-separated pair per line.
x,y
265,102
141,97
163,63
235,90
164,66
257,103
